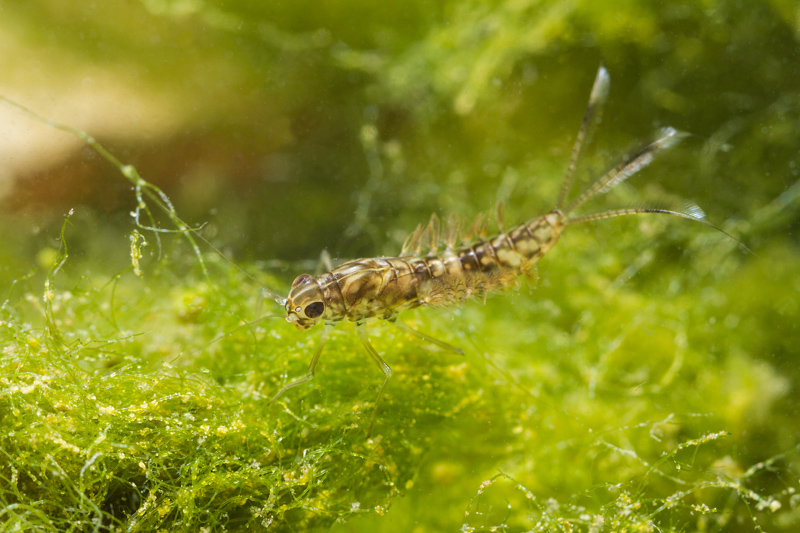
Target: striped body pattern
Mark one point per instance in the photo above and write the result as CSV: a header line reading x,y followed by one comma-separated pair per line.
x,y
385,286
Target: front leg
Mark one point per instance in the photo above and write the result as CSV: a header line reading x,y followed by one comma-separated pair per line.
x,y
427,338
387,372
326,329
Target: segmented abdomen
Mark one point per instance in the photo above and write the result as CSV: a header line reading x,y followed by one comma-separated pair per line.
x,y
523,245
382,287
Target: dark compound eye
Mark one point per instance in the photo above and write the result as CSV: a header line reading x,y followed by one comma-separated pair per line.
x,y
314,310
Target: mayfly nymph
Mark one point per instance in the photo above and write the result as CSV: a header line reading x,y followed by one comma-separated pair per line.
x,y
383,287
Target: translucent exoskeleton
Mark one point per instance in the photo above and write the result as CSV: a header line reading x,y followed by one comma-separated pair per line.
x,y
453,267
439,265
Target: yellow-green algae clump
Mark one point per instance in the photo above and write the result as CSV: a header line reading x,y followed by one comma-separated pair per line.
x,y
647,382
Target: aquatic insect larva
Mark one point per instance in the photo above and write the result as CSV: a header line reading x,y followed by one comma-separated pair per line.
x,y
383,287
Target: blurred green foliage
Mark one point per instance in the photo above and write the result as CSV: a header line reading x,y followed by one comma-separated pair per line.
x,y
648,382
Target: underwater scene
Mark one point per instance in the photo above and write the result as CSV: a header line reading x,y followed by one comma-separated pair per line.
x,y
416,266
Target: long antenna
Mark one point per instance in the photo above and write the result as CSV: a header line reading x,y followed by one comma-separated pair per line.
x,y
280,301
228,334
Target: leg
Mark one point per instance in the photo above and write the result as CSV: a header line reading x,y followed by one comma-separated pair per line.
x,y
326,329
384,368
427,338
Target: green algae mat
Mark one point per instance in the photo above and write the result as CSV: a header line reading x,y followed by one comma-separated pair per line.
x,y
163,165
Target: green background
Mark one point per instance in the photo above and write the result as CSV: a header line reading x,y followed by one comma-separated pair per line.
x,y
647,382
